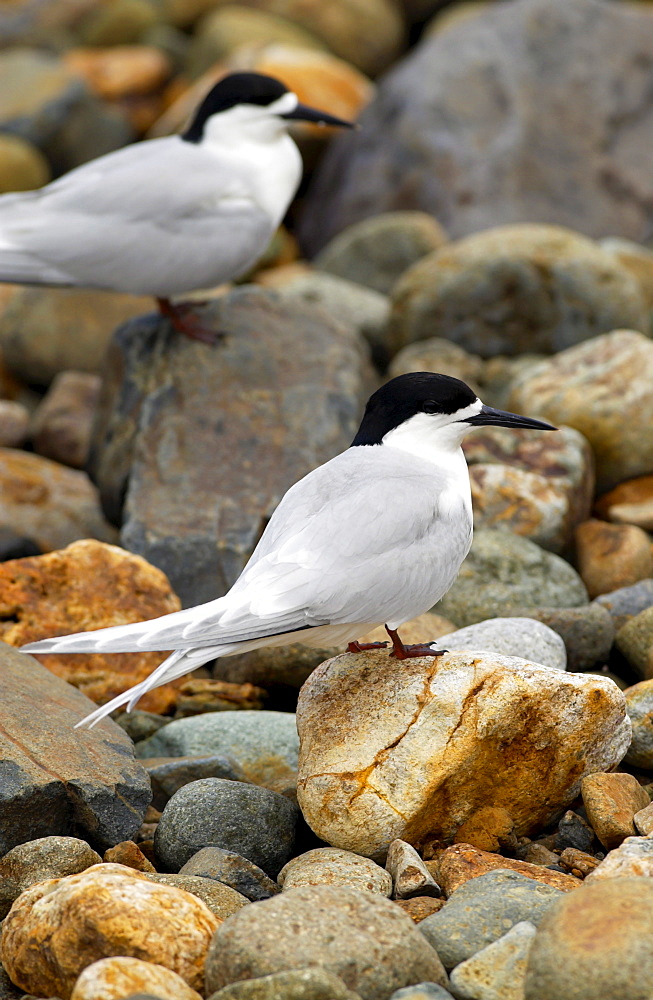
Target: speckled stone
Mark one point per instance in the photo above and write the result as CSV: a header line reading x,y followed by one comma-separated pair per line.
x,y
639,705
524,637
233,870
332,866
37,860
496,972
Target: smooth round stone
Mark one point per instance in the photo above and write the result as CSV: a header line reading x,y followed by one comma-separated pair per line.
x,y
248,820
292,984
587,631
422,991
220,899
635,641
233,870
22,166
610,556
639,705
332,866
625,603
37,860
111,978
438,355
14,424
524,637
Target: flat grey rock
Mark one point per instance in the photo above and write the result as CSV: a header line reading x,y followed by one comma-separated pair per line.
x,y
524,637
232,869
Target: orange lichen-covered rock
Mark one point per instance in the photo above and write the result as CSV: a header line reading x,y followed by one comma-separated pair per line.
x,y
413,749
57,928
116,978
457,864
86,586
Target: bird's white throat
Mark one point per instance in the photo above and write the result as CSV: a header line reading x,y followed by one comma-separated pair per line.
x,y
434,437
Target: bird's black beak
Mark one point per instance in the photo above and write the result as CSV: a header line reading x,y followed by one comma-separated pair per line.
x,y
499,418
303,113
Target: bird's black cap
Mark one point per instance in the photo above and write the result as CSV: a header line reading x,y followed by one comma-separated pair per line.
x,y
404,396
237,88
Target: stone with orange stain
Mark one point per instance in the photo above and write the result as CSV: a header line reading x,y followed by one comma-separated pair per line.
x,y
120,70
611,801
118,977
129,854
420,907
489,829
413,749
57,928
462,862
611,556
87,586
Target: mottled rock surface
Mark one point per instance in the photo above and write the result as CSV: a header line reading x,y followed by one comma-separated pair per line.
x,y
639,705
587,631
632,858
523,637
119,977
61,427
462,862
612,556
292,984
496,972
233,870
611,801
37,860
220,899
635,640
331,866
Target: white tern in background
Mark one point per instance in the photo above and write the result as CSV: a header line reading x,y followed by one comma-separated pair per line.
x,y
375,536
172,215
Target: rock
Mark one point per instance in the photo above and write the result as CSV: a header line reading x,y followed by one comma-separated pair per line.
x,y
538,485
37,860
82,918
421,991
637,258
611,556
22,166
635,641
246,819
118,977
61,427
58,780
83,587
482,910
627,602
377,251
139,725
359,936
611,801
121,22
535,853
438,355
220,899
629,503
524,637
587,631
504,571
232,400
35,327
643,820
633,857
200,695
496,972
420,907
578,387
169,774
410,876
261,747
452,134
292,984
368,774
14,424
232,870
120,70
129,854
512,289
46,104
639,705
462,862
577,863
574,832
49,503
490,829
596,942
331,866
7,989
361,309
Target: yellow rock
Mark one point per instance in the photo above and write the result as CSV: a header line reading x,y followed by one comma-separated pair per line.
x,y
116,978
22,165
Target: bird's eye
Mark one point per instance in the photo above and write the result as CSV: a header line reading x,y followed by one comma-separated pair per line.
x,y
430,406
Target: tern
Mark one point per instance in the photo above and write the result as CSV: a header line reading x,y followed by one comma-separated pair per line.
x,y
169,216
373,537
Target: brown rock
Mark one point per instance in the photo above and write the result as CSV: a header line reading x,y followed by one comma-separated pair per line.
x,y
577,863
23,166
14,423
410,876
201,695
87,586
119,977
489,829
61,426
611,556
128,853
37,860
59,927
629,503
643,820
462,862
538,854
121,70
420,907
219,898
49,503
639,261
611,801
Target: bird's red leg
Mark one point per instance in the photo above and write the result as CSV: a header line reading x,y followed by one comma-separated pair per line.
x,y
360,647
402,652
184,318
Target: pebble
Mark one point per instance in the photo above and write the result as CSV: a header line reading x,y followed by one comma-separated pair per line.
x,y
82,918
169,774
60,780
139,725
23,166
359,936
291,984
421,991
523,637
611,556
627,602
37,860
61,426
14,424
439,355
129,854
261,747
490,828
596,942
611,801
504,571
120,70
233,870
117,977
376,251
16,546
633,857
551,288
461,862
331,866
588,631
496,972
574,832
635,641
420,907
220,899
88,585
639,705
368,774
629,503
410,876
482,910
246,819
577,387
201,694
577,863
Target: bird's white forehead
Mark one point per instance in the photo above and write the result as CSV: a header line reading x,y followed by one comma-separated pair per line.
x,y
284,104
